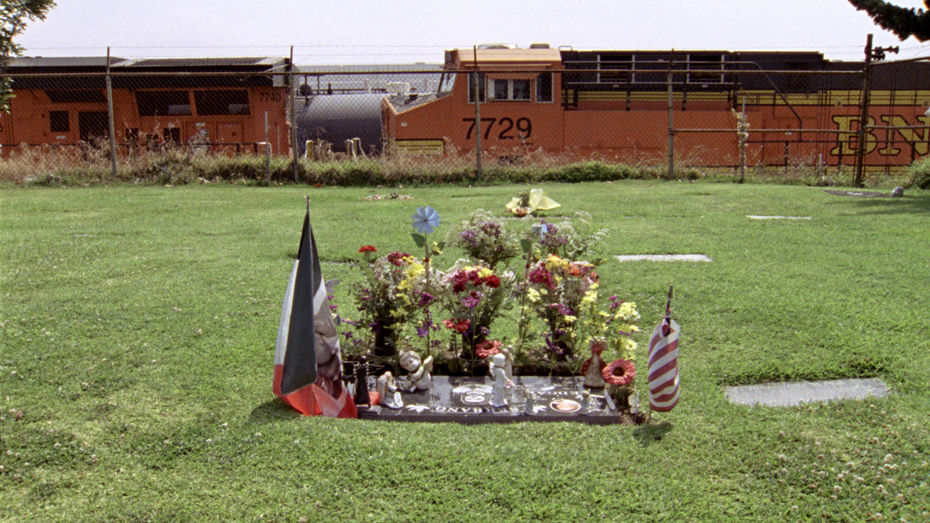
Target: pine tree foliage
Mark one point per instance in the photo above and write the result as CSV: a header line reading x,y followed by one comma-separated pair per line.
x,y
902,21
14,14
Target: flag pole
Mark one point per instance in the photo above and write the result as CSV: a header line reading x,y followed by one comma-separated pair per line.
x,y
668,306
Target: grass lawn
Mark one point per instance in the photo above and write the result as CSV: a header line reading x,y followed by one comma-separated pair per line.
x,y
137,329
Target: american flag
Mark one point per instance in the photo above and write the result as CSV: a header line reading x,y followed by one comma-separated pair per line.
x,y
663,364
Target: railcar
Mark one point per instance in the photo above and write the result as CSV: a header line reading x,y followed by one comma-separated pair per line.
x,y
621,105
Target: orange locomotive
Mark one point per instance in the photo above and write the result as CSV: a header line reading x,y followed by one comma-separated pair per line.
x,y
616,105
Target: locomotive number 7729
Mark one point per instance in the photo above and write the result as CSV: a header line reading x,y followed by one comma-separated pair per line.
x,y
506,128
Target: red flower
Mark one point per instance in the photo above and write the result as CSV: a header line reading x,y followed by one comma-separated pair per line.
x,y
368,248
492,281
487,348
619,372
397,258
458,326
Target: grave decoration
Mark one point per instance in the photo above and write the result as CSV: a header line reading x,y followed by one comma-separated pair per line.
x,y
505,347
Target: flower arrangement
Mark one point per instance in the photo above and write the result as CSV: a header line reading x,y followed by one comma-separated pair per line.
x,y
484,239
556,289
473,296
572,239
392,291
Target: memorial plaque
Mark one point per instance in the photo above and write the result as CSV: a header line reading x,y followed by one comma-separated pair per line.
x,y
467,399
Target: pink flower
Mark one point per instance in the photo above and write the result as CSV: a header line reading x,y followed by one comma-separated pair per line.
x,y
619,372
487,348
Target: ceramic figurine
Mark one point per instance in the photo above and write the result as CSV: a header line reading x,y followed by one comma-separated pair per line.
x,y
501,381
594,365
387,389
420,377
508,367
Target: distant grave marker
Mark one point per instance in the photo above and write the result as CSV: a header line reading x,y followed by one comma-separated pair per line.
x,y
663,257
777,217
795,393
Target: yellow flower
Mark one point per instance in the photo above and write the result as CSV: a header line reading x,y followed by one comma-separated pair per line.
x,y
484,272
589,297
532,295
554,262
570,319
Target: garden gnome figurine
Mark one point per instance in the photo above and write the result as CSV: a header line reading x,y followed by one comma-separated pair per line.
x,y
593,366
501,381
387,389
420,377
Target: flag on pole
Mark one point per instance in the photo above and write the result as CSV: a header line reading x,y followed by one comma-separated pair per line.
x,y
307,358
663,363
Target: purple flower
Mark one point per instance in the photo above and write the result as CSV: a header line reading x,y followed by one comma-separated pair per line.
x,y
471,301
425,299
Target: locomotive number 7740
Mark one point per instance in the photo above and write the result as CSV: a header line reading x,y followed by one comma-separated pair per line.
x,y
506,128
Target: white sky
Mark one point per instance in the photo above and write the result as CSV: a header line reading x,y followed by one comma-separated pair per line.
x,y
378,31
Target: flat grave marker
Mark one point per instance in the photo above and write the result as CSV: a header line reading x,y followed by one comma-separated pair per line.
x,y
663,257
792,394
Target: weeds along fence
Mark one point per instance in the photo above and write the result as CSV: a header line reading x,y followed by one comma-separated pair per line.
x,y
637,115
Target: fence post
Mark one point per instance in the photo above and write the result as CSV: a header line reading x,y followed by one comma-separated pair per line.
x,y
110,118
671,123
267,152
863,110
292,101
477,115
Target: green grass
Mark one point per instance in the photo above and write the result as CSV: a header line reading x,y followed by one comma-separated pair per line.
x,y
137,327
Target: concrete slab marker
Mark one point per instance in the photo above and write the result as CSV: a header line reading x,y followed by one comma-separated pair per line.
x,y
791,394
764,217
663,257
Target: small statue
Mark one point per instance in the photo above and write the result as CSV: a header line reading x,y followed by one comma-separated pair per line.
x,y
420,377
501,381
593,366
387,389
508,367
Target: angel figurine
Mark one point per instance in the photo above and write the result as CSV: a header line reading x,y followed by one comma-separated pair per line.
x,y
387,389
501,381
420,377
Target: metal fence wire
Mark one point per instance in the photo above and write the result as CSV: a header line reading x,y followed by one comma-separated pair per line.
x,y
727,111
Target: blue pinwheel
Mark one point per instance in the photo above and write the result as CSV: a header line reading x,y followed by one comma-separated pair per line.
x,y
425,219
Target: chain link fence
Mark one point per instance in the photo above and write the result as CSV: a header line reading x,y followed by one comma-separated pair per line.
x,y
728,112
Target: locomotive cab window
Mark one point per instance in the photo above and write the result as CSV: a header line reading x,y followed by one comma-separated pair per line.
x,y
510,89
544,87
482,88
58,121
212,103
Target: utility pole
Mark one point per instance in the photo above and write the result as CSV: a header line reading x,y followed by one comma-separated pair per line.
x,y
871,54
863,110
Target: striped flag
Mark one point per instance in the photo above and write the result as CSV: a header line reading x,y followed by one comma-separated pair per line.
x,y
663,364
307,359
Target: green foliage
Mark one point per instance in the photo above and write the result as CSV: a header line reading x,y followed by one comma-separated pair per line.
x,y
13,17
902,21
920,173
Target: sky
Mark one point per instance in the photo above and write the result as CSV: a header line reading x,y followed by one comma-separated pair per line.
x,y
377,31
